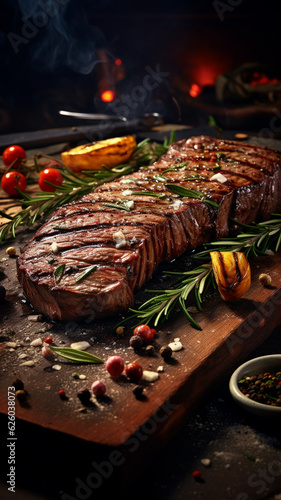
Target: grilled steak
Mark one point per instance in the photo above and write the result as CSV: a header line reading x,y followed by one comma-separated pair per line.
x,y
90,256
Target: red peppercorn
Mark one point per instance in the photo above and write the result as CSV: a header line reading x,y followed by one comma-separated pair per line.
x,y
61,394
266,374
196,474
48,340
115,366
153,331
133,371
144,331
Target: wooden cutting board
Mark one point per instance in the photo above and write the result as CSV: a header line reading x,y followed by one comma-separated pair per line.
x,y
230,331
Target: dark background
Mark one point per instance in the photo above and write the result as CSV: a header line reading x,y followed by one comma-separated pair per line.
x,y
65,57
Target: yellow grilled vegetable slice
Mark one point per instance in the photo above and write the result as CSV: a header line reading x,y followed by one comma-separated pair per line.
x,y
93,156
232,274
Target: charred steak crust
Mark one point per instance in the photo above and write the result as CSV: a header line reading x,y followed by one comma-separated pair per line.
x,y
121,249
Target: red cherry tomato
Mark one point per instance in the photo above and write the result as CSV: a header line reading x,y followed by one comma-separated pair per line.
x,y
11,180
50,175
11,154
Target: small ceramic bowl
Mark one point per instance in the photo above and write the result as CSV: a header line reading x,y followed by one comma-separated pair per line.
x,y
255,366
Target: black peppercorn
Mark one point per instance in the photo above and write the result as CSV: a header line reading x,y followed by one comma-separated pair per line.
x,y
21,395
84,395
136,341
18,385
137,391
166,352
150,349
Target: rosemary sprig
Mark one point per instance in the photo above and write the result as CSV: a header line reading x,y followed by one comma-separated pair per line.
x,y
74,187
75,355
189,193
254,240
160,306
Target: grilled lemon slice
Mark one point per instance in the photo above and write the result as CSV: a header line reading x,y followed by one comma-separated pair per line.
x,y
232,273
96,155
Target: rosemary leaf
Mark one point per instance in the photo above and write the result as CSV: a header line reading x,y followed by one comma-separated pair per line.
x,y
160,178
58,272
189,193
75,355
86,273
117,206
150,193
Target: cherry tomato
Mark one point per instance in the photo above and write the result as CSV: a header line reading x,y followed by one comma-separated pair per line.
x,y
11,180
50,175
11,154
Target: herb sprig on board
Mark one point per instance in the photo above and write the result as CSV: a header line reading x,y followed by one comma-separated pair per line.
x,y
74,187
254,240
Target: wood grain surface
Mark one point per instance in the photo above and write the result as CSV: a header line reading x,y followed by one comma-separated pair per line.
x,y
230,331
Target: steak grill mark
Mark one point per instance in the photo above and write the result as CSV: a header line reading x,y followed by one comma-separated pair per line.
x,y
154,230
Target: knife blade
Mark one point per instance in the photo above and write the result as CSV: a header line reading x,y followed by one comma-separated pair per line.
x,y
102,130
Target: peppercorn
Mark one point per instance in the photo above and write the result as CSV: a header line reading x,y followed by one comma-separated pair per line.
x,y
120,330
166,352
136,342
197,474
62,394
138,391
84,395
263,388
18,385
75,375
265,279
150,350
11,251
21,395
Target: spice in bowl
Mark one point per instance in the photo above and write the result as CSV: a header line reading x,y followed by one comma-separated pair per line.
x,y
263,388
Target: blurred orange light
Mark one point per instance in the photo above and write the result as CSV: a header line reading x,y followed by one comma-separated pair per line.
x,y
118,62
194,90
107,96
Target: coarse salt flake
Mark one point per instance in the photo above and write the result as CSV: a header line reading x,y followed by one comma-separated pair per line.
x,y
81,346
36,342
150,376
219,178
119,238
175,346
176,205
12,344
27,363
56,367
54,247
129,203
127,192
